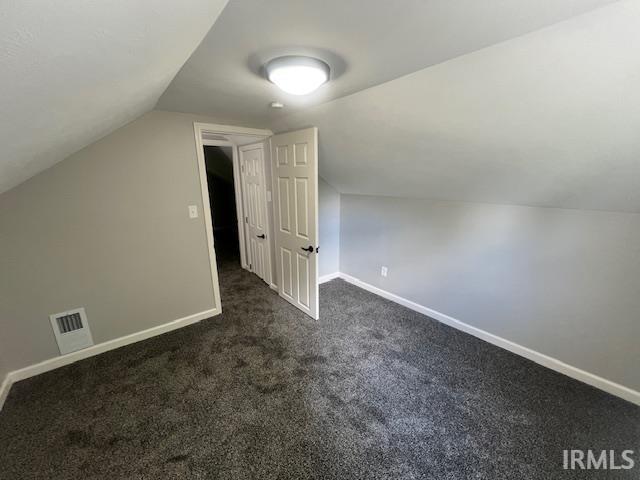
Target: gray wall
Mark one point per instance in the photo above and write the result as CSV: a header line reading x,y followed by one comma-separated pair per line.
x,y
329,226
562,282
107,229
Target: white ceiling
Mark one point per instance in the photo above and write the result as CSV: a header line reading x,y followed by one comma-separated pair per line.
x,y
366,42
531,102
551,118
75,70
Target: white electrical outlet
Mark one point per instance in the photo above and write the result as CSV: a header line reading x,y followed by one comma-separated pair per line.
x,y
383,271
193,211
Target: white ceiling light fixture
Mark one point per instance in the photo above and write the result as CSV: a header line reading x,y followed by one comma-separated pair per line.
x,y
297,75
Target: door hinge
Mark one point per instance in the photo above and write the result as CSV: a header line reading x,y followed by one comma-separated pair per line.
x,y
317,249
246,219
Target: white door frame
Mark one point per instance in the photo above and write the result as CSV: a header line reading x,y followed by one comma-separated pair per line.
x,y
222,135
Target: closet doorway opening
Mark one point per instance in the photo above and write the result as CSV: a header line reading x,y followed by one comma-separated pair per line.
x,y
222,204
235,183
276,201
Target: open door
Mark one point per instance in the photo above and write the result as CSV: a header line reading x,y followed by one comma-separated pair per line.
x,y
294,158
255,201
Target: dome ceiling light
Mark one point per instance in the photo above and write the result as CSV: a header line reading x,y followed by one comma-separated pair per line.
x,y
297,75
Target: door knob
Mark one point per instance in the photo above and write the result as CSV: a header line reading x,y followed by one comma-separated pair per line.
x,y
261,236
308,249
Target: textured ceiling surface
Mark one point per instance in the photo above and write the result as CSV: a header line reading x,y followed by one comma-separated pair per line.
x,y
510,101
547,119
73,71
366,42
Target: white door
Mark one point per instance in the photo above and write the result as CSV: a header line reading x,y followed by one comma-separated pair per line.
x,y
255,200
294,158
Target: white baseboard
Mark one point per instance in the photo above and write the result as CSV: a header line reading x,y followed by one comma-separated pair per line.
x,y
69,358
328,277
273,286
540,358
613,388
4,389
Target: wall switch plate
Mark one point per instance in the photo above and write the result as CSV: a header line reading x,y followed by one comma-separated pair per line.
x,y
193,211
384,271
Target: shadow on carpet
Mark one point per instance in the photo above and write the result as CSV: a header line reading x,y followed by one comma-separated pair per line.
x,y
370,391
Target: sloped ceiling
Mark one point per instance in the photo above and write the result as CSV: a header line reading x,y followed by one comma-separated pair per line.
x,y
531,102
515,102
366,42
75,70
547,119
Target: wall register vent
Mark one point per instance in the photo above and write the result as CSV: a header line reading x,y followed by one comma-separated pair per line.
x,y
71,330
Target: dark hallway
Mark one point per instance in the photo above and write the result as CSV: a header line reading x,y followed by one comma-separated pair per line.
x,y
219,162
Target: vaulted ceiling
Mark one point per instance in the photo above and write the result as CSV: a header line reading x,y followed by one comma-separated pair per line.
x,y
73,71
551,118
366,42
529,102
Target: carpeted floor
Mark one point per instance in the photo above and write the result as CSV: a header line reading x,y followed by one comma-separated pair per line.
x,y
370,391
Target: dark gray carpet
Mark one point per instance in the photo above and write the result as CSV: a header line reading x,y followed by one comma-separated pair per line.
x,y
371,391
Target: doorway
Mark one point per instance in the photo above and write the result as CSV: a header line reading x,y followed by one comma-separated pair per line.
x,y
275,187
224,198
222,195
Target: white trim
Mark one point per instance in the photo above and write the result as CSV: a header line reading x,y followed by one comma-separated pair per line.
x,y
208,222
231,129
328,277
69,358
267,207
613,388
273,286
4,389
240,203
216,143
544,360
